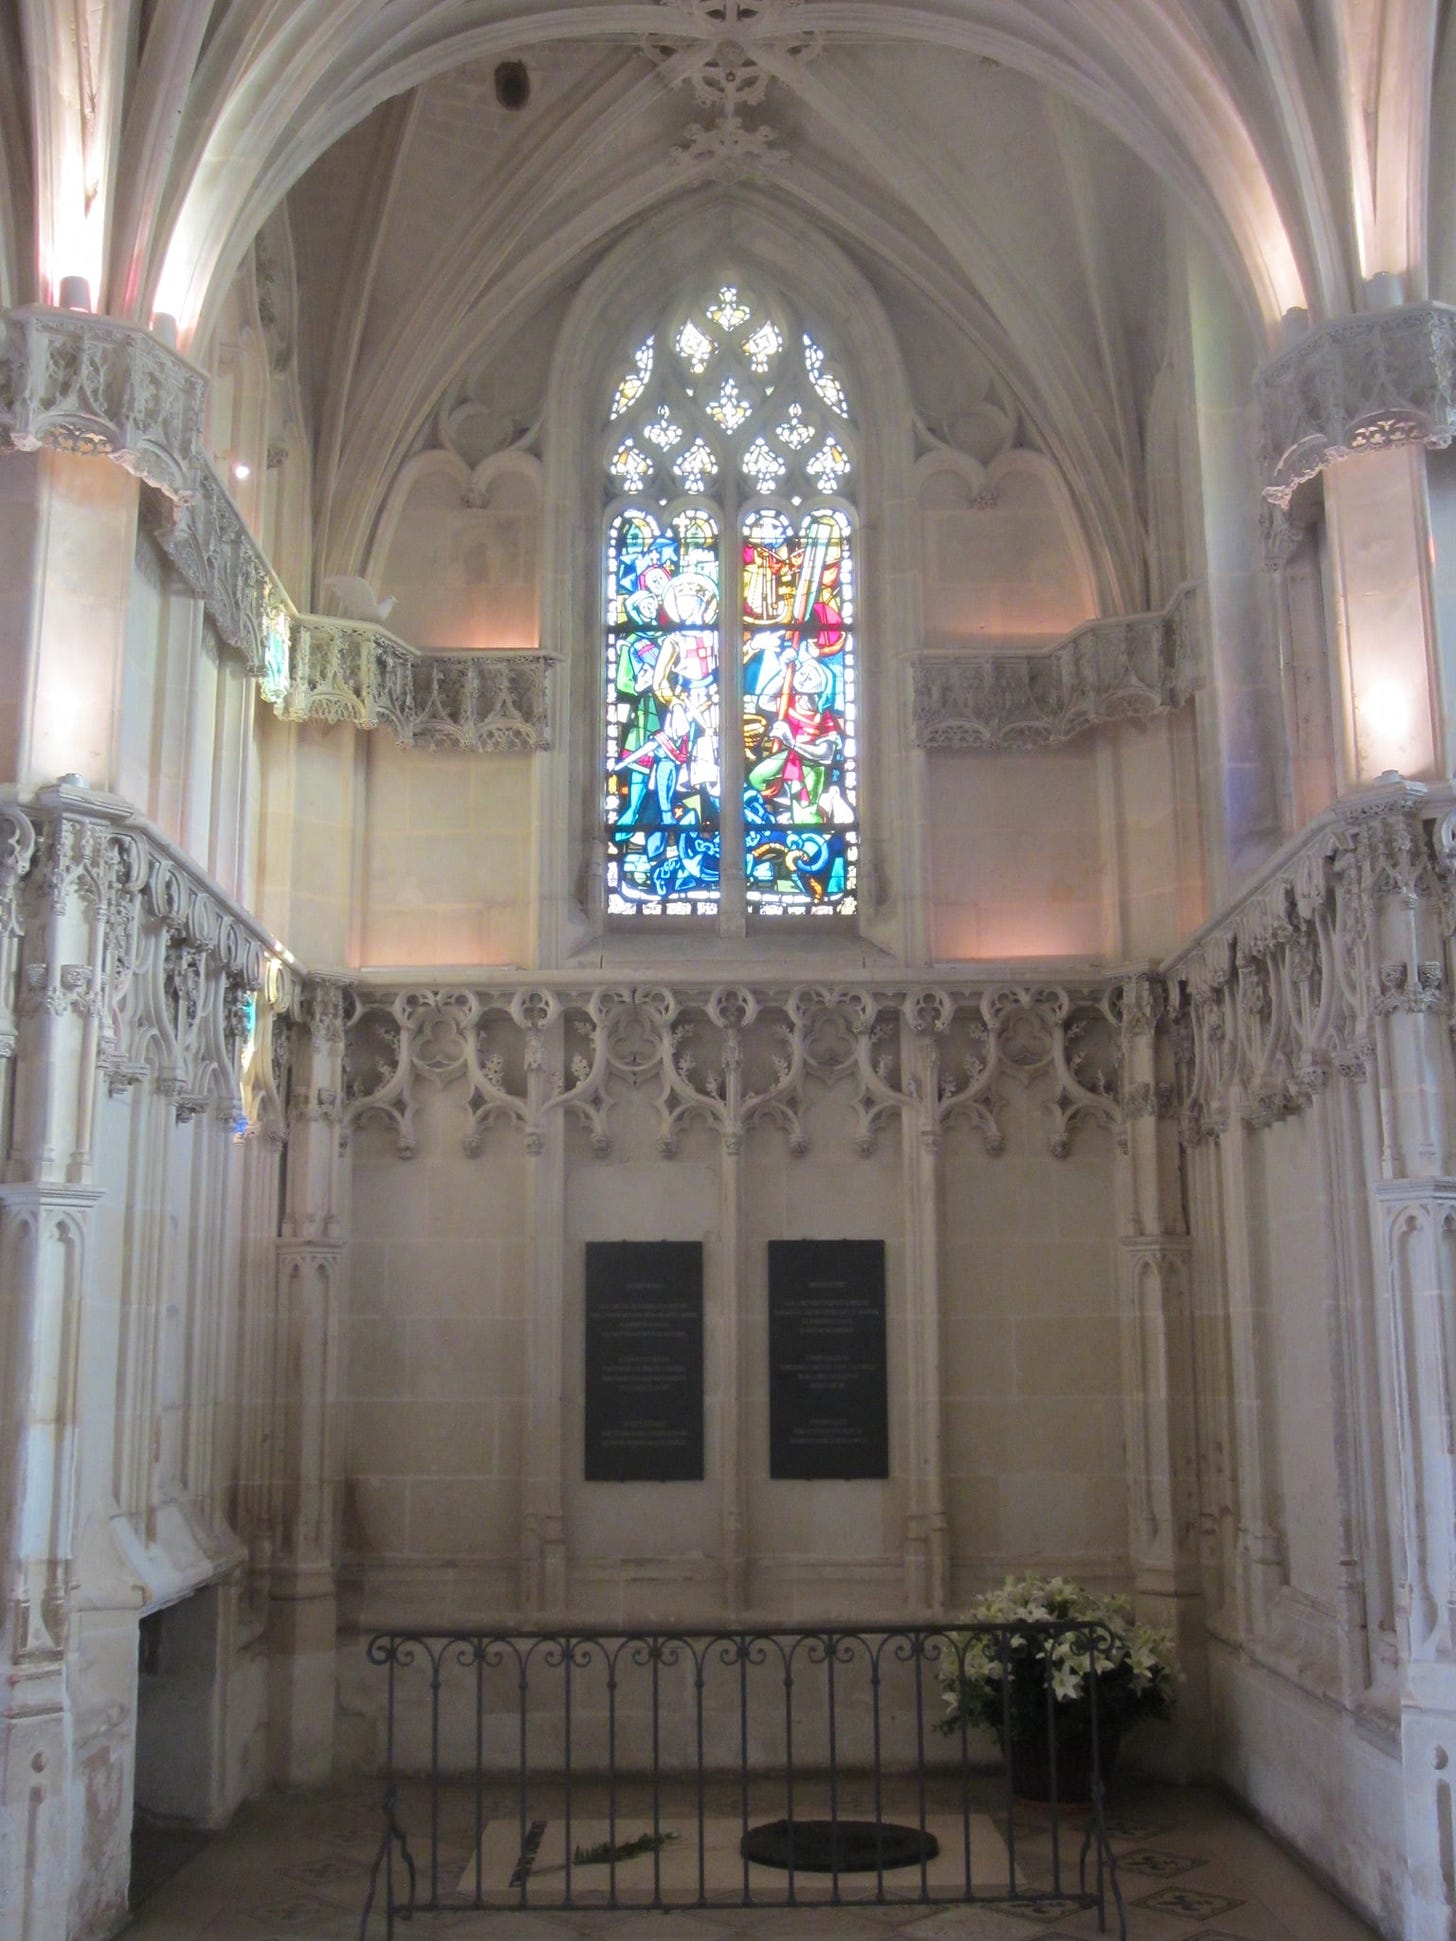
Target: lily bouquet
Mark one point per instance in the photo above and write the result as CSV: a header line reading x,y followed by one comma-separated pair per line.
x,y
1056,1636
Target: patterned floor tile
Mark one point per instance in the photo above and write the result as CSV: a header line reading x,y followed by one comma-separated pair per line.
x,y
318,1873
297,1911
1189,1902
1162,1866
1132,1826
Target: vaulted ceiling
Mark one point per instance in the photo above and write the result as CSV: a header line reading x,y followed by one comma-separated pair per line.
x,y
1004,169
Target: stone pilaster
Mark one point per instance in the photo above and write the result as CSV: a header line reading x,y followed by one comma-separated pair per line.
x,y
926,1525
1154,1270
303,1622
1414,1215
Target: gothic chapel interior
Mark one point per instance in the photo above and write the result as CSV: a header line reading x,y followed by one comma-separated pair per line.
x,y
724,621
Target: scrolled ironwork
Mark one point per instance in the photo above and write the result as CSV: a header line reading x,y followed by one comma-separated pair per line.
x,y
790,1717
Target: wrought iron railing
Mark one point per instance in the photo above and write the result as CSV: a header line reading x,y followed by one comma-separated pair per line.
x,y
630,1769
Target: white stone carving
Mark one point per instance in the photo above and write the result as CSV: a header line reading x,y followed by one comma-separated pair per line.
x,y
729,150
208,543
1109,670
347,670
733,1058
171,964
729,52
1356,384
1292,986
89,384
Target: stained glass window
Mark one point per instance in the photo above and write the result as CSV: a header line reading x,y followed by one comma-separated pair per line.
x,y
663,740
726,509
800,820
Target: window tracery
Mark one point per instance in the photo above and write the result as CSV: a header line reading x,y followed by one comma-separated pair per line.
x,y
729,452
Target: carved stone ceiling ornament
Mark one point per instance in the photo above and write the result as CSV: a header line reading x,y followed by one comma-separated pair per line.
x,y
730,52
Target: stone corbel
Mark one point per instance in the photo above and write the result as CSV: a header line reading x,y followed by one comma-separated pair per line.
x,y
1361,383
78,383
1121,669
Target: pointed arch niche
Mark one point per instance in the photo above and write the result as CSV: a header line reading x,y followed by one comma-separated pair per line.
x,y
605,506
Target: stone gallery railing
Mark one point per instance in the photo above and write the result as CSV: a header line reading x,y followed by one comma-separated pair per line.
x,y
353,671
611,1770
732,1058
1109,670
91,385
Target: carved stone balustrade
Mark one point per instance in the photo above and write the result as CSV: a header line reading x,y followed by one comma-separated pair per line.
x,y
174,975
352,671
91,385
1109,670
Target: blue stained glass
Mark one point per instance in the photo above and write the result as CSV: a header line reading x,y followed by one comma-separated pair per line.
x,y
276,641
801,822
663,751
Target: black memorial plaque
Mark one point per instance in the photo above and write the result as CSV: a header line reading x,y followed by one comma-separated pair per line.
x,y
644,1361
828,1401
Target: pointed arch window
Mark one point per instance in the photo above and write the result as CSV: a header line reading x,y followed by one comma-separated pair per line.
x,y
729,763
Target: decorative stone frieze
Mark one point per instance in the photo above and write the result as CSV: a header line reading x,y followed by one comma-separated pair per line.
x,y
1353,385
1295,984
353,671
1109,670
733,1058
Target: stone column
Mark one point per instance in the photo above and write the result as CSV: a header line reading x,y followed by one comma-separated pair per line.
x,y
303,1622
1158,1386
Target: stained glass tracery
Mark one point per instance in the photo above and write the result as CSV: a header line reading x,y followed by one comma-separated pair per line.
x,y
748,450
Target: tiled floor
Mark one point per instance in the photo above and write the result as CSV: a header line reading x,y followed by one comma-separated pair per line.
x,y
295,1868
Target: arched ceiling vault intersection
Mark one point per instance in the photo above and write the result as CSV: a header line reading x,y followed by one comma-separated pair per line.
x,y
265,104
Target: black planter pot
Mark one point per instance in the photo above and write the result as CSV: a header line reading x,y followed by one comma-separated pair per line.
x,y
1030,1761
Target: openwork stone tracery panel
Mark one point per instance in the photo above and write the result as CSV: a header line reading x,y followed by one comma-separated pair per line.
x,y
1294,987
1109,670
735,1058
